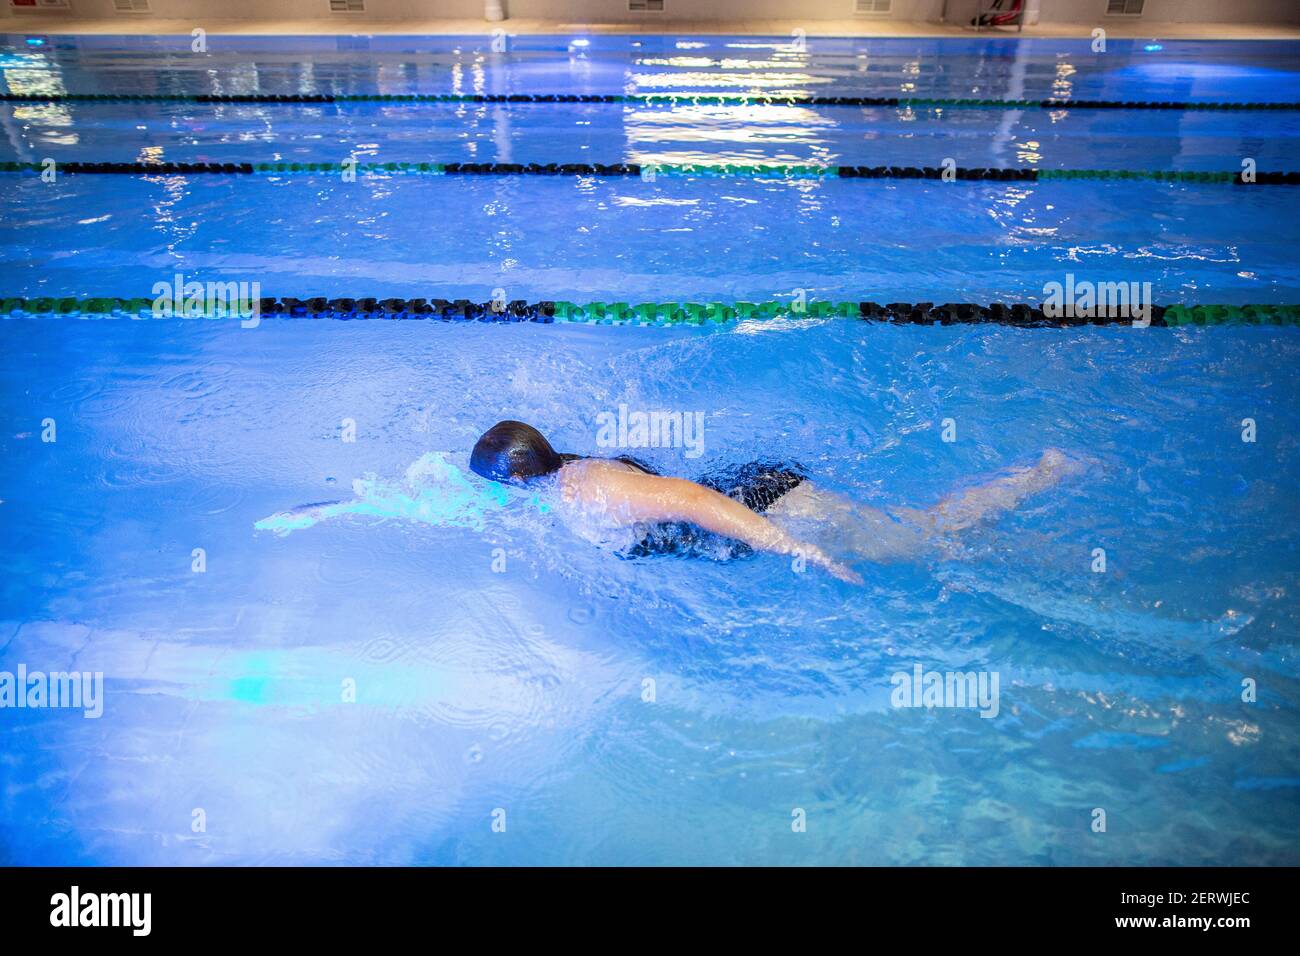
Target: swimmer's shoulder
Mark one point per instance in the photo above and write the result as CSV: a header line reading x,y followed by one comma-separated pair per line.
x,y
584,477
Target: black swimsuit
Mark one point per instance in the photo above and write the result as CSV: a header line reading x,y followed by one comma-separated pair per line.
x,y
757,485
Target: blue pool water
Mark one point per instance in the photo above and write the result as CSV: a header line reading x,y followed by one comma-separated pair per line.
x,y
500,663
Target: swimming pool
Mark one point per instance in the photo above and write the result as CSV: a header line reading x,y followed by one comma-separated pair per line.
x,y
455,678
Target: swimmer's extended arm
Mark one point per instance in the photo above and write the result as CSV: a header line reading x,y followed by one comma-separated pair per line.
x,y
634,496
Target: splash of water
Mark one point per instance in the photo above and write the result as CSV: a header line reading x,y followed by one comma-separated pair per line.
x,y
433,491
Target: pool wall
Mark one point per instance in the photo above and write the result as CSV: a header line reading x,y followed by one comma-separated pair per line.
x,y
730,16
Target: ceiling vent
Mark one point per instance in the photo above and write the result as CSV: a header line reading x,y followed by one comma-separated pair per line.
x,y
347,6
871,8
131,6
1124,8
645,6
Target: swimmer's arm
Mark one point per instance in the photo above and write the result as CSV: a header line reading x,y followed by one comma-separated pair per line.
x,y
640,497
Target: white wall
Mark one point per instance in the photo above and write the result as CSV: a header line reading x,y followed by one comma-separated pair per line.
x,y
1178,11
614,11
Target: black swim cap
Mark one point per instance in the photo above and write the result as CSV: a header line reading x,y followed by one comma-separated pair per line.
x,y
513,451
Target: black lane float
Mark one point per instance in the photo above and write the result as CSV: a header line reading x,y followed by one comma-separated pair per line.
x,y
645,99
652,171
686,313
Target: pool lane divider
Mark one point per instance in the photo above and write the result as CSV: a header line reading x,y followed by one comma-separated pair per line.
x,y
642,99
654,313
750,171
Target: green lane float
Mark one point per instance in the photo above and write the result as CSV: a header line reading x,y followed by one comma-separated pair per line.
x,y
668,313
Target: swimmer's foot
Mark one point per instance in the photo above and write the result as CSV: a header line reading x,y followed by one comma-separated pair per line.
x,y
960,511
1057,465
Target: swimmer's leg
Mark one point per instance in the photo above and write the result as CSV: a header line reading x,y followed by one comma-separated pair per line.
x,y
843,526
963,510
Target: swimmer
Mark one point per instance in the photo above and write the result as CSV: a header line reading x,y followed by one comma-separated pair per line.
x,y
623,503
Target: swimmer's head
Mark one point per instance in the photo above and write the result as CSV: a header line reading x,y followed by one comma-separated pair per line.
x,y
514,452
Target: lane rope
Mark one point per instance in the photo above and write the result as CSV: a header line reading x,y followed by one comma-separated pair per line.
x,y
749,170
644,99
646,314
